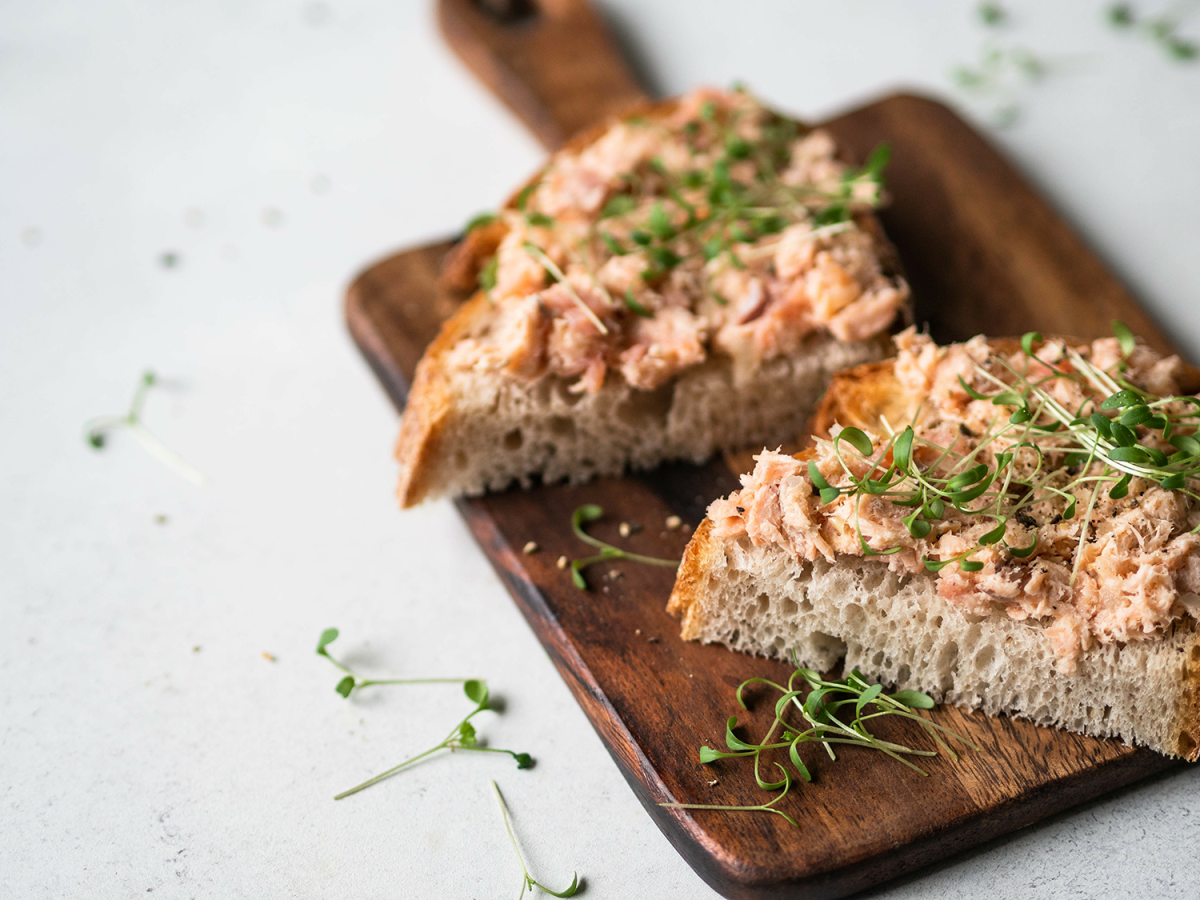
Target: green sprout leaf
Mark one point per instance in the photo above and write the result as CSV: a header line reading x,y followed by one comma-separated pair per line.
x,y
659,224
345,686
857,438
1121,399
635,307
1120,489
1027,341
995,535
478,221
1125,337
328,636
902,448
815,476
620,205
914,699
476,691
487,274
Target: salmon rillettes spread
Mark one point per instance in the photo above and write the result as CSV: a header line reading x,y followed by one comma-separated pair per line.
x,y
717,227
1136,569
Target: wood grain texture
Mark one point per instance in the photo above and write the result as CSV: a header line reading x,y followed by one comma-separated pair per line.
x,y
984,253
552,62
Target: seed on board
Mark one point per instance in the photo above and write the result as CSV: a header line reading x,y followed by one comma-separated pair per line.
x,y
269,657
562,562
673,522
530,547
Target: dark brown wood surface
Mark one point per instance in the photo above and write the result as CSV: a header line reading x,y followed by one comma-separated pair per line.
x,y
552,62
984,253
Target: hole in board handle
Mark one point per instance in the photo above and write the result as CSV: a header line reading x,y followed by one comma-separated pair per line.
x,y
508,12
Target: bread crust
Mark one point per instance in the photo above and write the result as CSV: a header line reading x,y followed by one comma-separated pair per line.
x,y
691,581
861,396
430,402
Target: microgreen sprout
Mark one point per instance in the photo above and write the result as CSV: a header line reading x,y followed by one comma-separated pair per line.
x,y
528,882
548,264
991,14
96,432
814,709
352,682
1033,451
998,77
590,512
461,737
1162,30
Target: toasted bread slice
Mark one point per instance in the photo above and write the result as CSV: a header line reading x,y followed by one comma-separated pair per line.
x,y
517,413
761,597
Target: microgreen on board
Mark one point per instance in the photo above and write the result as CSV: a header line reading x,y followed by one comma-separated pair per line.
x,y
586,514
528,882
96,432
1033,451
829,712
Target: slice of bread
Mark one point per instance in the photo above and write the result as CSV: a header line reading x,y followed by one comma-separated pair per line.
x,y
469,429
895,627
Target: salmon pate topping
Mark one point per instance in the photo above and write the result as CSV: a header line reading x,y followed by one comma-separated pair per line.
x,y
1051,481
717,227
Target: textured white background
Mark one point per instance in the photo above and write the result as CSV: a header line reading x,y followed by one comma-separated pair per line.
x,y
130,762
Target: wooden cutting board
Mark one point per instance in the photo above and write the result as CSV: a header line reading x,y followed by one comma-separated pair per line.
x,y
984,253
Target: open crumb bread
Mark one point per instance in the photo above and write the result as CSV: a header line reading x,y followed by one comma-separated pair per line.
x,y
761,597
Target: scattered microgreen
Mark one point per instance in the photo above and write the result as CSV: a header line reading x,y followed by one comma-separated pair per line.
x,y
997,79
528,882
1163,29
829,712
991,14
588,513
96,432
461,737
352,682
1033,451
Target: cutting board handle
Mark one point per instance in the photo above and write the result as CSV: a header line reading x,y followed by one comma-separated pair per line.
x,y
552,62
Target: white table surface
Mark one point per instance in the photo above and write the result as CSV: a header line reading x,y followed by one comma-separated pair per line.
x,y
146,744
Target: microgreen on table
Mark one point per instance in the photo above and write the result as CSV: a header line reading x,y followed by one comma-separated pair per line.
x,y
1033,451
528,882
96,432
590,512
461,737
829,712
352,682
1162,29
